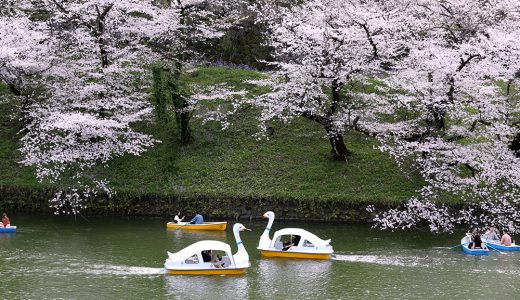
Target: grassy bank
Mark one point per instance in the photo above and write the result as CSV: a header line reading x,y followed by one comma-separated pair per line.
x,y
293,164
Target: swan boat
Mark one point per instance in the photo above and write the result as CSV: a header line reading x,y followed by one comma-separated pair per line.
x,y
10,229
465,241
215,226
191,260
305,244
495,244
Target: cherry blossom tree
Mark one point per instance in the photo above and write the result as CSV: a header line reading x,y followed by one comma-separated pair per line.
x,y
90,65
452,109
326,52
23,55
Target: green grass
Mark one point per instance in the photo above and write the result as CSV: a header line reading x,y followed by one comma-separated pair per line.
x,y
294,163
12,173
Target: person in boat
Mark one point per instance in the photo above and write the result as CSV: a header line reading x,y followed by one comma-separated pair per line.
x,y
286,245
492,234
294,242
206,255
5,221
506,238
474,233
177,219
216,260
198,219
477,243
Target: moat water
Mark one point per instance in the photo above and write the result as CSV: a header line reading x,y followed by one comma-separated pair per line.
x,y
122,258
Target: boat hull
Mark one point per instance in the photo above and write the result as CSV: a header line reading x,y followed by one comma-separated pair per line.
x,y
475,251
502,247
11,229
212,226
290,254
465,241
207,272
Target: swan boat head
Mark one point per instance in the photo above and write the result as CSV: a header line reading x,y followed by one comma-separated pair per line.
x,y
241,258
265,241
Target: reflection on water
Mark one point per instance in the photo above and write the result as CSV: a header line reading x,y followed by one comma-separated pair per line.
x,y
199,234
6,237
207,287
311,276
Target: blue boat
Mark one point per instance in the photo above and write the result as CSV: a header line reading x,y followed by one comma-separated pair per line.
x,y
495,244
11,229
465,242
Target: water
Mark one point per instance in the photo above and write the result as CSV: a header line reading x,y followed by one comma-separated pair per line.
x,y
109,258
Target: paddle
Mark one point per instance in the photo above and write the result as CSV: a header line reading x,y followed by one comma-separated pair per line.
x,y
187,223
459,245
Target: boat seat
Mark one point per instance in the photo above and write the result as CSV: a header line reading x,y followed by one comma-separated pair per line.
x,y
278,245
225,260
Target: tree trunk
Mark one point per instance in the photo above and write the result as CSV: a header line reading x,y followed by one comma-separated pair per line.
x,y
159,94
184,122
338,150
100,22
514,145
182,115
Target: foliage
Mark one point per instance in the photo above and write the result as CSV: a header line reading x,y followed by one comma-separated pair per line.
x,y
243,44
201,21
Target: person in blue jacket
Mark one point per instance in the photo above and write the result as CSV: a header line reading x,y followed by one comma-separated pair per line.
x,y
198,219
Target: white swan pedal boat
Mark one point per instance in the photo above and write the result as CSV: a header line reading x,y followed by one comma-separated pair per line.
x,y
304,244
495,244
191,260
10,229
465,241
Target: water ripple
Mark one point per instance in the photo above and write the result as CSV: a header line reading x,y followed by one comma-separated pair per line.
x,y
376,259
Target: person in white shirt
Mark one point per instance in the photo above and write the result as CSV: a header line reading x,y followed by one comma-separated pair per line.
x,y
177,218
492,234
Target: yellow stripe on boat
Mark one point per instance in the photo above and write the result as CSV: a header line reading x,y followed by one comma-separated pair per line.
x,y
215,226
289,254
207,272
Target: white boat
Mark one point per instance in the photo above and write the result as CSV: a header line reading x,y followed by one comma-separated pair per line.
x,y
191,260
299,243
495,244
10,229
465,241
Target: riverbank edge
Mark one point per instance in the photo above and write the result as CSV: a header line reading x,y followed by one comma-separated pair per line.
x,y
36,200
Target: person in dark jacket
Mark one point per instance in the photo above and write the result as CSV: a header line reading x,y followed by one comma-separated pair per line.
x,y
477,243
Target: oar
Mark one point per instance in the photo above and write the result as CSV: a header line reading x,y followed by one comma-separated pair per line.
x,y
459,245
187,223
